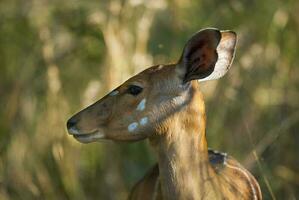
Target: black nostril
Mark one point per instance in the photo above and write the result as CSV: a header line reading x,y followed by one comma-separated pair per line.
x,y
71,123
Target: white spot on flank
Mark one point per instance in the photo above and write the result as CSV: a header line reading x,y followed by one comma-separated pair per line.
x,y
113,93
143,121
141,105
132,126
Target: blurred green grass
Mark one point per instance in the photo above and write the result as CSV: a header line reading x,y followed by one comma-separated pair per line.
x,y
58,56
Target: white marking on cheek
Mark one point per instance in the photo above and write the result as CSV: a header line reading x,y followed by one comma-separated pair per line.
x,y
132,126
143,121
113,93
179,100
141,105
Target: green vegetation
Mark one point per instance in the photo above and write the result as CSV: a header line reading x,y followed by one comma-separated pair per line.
x,y
56,57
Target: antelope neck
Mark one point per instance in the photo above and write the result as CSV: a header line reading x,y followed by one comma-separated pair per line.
x,y
182,152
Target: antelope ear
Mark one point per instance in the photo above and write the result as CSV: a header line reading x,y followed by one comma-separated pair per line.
x,y
207,55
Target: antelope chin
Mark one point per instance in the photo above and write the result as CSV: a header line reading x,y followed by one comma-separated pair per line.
x,y
89,137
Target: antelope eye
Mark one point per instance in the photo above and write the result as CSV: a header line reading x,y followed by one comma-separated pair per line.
x,y
134,90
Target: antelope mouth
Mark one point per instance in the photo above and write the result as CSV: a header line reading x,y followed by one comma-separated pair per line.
x,y
89,137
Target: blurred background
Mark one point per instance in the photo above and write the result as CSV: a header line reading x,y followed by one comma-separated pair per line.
x,y
57,57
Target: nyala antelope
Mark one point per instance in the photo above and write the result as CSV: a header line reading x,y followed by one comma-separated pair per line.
x,y
164,104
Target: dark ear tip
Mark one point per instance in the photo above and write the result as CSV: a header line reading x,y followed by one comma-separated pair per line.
x,y
210,36
211,31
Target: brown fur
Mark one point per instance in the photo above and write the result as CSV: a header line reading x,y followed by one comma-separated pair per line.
x,y
183,159
149,187
170,111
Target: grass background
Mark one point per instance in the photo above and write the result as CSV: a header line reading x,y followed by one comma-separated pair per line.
x,y
56,57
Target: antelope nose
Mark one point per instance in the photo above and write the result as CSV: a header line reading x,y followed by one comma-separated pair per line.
x,y
71,126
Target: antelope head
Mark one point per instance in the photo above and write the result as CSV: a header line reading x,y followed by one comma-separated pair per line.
x,y
136,109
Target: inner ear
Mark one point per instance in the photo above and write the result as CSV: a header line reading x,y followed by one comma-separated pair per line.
x,y
199,56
